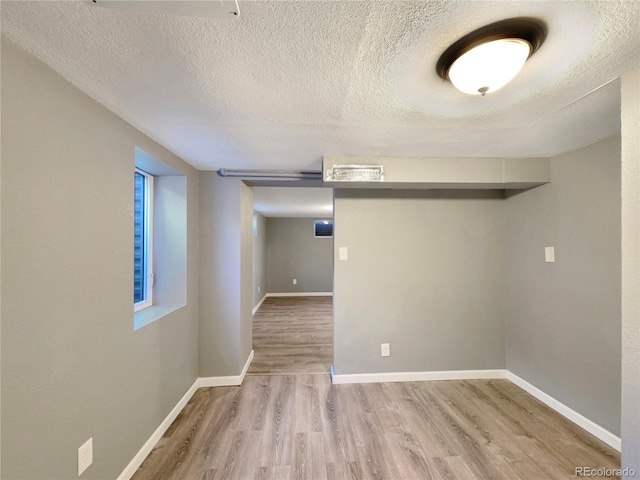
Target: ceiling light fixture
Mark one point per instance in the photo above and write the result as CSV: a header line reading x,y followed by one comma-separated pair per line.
x,y
486,59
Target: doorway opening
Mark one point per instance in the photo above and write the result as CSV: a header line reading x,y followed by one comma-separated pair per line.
x,y
292,280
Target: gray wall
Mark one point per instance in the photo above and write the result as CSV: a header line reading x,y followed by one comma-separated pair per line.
x,y
260,260
631,271
226,271
425,274
246,273
563,318
72,365
294,252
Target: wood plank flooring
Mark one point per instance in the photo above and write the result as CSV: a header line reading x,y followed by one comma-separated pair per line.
x,y
300,426
293,335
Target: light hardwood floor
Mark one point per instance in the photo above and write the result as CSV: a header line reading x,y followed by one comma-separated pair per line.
x,y
300,426
293,335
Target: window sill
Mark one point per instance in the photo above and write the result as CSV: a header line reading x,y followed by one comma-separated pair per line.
x,y
151,314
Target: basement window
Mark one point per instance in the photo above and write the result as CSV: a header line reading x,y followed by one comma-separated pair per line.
x,y
142,240
323,228
160,239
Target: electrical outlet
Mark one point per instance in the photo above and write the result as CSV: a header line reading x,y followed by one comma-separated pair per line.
x,y
258,288
85,456
384,350
295,281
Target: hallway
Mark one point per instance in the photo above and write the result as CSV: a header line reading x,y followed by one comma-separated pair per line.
x,y
293,335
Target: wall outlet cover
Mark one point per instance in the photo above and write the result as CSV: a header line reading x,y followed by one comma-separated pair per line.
x,y
85,456
384,350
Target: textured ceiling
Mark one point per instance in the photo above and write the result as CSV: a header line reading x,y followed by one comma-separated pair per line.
x,y
287,82
293,201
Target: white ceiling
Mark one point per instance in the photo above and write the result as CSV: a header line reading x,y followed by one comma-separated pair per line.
x,y
287,82
293,202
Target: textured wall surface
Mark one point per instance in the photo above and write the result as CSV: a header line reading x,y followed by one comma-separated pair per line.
x,y
260,260
425,274
563,318
72,365
631,271
293,252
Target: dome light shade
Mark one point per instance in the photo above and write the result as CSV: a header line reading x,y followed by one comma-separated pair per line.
x,y
489,66
487,59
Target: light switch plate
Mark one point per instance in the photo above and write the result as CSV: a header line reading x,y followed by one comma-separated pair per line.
x,y
343,253
549,254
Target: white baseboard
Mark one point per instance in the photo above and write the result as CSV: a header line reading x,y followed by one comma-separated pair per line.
x,y
226,381
232,380
255,309
135,463
580,420
300,294
416,376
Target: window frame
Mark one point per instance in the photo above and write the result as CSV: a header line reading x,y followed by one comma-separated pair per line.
x,y
323,220
147,240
